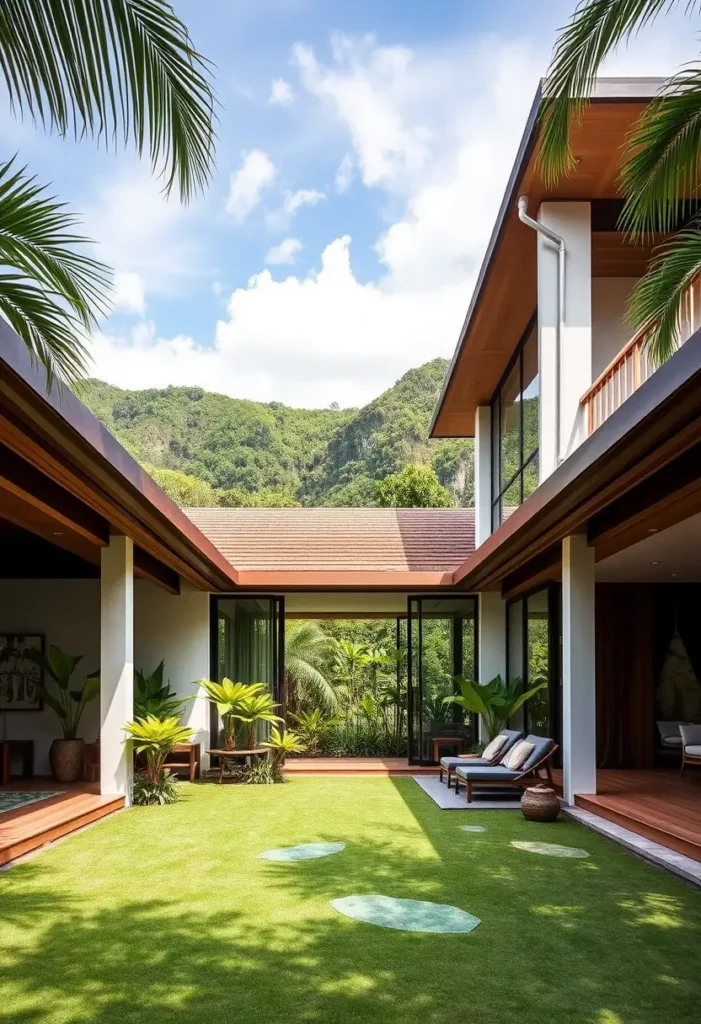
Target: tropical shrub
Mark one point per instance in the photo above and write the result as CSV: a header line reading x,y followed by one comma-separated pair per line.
x,y
227,697
154,739
146,793
280,744
151,697
67,704
312,727
263,773
253,709
496,701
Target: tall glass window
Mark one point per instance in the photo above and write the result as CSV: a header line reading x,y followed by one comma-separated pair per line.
x,y
515,430
533,656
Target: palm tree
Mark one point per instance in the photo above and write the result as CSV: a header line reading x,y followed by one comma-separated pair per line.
x,y
349,661
306,647
659,171
120,71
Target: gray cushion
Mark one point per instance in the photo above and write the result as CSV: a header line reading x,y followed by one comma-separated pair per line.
x,y
693,750
690,734
541,746
672,741
455,762
486,773
513,735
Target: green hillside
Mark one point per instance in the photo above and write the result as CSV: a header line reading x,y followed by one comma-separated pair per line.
x,y
243,452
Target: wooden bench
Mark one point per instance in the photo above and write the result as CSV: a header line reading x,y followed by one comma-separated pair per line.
x,y
189,763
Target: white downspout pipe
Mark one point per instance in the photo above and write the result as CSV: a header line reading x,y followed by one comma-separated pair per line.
x,y
560,329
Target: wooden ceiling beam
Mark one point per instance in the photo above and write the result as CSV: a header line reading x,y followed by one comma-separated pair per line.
x,y
149,568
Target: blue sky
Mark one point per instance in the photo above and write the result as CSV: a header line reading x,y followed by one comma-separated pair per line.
x,y
363,151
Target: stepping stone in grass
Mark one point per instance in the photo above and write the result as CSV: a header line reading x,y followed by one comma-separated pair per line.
x,y
472,828
406,915
303,851
551,849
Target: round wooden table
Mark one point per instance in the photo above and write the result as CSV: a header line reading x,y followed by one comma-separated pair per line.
x,y
234,755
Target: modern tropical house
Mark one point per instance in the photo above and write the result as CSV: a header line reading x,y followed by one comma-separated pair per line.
x,y
580,562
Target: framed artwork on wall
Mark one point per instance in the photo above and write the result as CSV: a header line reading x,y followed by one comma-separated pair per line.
x,y
20,677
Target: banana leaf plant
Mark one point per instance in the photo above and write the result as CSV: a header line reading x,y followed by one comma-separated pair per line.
x,y
496,701
227,697
68,704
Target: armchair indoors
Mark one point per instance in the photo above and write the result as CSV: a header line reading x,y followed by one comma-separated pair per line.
x,y
690,744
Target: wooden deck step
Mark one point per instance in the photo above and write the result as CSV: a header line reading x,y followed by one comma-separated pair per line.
x,y
30,827
355,766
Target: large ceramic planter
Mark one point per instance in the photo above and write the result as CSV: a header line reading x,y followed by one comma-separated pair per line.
x,y
540,803
66,760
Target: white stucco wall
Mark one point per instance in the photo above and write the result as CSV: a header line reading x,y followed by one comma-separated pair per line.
x,y
610,332
67,612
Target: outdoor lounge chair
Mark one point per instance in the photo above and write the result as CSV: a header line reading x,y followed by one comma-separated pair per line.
x,y
691,745
539,760
449,764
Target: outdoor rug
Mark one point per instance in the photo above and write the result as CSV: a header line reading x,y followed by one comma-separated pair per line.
x,y
448,801
11,801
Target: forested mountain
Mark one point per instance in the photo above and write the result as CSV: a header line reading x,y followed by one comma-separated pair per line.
x,y
234,451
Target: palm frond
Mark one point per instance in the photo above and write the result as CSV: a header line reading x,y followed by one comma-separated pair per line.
x,y
661,161
119,70
656,304
595,29
50,292
309,681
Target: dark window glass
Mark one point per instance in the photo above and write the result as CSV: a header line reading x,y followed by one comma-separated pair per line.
x,y
538,707
515,431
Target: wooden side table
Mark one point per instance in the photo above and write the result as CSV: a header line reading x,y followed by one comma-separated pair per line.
x,y
189,763
446,741
16,748
235,755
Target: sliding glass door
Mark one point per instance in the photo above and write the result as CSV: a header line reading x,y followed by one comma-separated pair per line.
x,y
441,644
534,655
248,646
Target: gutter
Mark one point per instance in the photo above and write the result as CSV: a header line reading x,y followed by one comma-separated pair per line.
x,y
557,240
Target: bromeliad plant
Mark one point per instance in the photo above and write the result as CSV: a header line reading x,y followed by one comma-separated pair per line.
x,y
155,738
496,701
280,744
68,704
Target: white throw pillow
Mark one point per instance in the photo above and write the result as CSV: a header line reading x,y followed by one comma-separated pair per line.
x,y
492,749
518,755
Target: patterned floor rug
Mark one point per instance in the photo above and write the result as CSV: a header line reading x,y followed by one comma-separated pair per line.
x,y
10,801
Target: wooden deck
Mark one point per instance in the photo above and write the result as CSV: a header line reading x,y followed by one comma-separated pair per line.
x,y
656,804
34,825
358,766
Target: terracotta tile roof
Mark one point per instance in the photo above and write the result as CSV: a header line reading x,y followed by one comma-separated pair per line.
x,y
367,540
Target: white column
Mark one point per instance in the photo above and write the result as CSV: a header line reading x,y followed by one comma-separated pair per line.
x,y
578,668
491,639
116,664
483,474
572,221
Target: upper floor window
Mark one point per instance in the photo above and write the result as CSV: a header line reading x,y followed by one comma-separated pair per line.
x,y
515,430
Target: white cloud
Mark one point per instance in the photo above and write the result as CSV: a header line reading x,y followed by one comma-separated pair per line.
x,y
344,174
129,294
138,232
281,93
437,131
285,252
280,218
247,184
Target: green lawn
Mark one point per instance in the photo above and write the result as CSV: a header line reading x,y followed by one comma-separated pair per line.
x,y
166,914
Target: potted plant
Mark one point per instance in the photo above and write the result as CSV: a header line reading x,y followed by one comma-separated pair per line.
x,y
66,755
495,701
155,738
227,697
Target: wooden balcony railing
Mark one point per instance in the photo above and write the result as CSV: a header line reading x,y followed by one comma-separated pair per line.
x,y
632,366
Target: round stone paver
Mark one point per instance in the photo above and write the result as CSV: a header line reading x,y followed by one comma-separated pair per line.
x,y
472,828
406,915
303,851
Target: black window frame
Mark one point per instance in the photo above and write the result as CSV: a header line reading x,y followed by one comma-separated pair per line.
x,y
500,487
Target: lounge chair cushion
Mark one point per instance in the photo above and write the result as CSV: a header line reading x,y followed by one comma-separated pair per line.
x,y
485,773
693,750
690,734
455,762
494,747
518,755
542,745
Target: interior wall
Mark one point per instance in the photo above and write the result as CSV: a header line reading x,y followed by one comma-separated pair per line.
x,y
67,613
350,604
174,628
610,332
